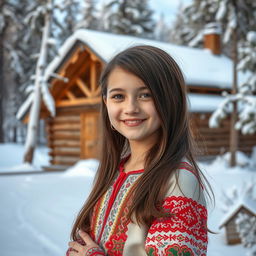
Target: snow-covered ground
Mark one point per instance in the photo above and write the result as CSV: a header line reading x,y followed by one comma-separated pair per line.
x,y
37,210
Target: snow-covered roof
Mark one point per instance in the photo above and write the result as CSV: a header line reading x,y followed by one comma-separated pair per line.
x,y
247,203
200,67
203,102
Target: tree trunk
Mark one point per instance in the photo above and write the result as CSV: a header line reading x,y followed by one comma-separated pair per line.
x,y
1,79
1,88
32,131
233,131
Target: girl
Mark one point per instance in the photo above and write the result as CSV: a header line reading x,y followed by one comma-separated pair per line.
x,y
148,195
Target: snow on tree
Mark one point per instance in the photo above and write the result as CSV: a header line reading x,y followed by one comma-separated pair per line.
x,y
246,227
89,16
42,11
11,68
188,28
105,11
66,26
236,18
131,18
245,95
236,194
247,55
161,29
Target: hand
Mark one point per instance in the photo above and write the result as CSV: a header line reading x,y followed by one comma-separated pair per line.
x,y
77,249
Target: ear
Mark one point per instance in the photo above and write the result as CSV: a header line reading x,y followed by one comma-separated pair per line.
x,y
105,99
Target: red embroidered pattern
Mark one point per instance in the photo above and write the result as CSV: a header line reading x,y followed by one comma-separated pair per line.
x,y
115,243
185,229
189,217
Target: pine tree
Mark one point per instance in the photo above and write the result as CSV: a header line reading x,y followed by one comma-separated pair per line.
x,y
247,91
237,17
188,28
89,16
11,68
161,30
131,18
105,11
66,26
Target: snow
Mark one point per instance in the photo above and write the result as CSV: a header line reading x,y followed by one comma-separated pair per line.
x,y
25,106
212,28
12,157
38,210
200,67
243,202
203,103
251,36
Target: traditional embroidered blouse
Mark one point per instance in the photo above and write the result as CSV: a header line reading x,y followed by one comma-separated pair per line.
x,y
184,233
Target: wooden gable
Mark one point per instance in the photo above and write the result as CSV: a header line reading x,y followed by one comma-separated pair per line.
x,y
73,132
82,69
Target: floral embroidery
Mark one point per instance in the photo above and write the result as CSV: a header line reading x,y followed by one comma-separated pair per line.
x,y
178,250
185,228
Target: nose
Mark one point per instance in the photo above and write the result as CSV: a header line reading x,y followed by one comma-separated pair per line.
x,y
131,106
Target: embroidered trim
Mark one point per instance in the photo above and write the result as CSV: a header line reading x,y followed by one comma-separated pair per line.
x,y
94,251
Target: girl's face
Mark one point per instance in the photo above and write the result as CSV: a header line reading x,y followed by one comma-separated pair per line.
x,y
131,108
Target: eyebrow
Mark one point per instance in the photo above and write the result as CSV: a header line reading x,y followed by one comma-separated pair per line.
x,y
121,89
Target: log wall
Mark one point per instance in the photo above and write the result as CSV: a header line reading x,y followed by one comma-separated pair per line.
x,y
68,138
72,135
215,141
64,138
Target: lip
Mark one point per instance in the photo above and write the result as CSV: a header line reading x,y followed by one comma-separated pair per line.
x,y
133,122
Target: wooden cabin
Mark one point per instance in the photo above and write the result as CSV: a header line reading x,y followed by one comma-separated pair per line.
x,y
73,132
229,222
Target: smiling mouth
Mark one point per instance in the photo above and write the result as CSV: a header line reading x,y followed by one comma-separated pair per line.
x,y
134,122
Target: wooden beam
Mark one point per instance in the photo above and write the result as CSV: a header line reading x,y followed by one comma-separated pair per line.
x,y
93,57
84,88
66,103
70,95
72,77
97,92
73,59
93,76
82,63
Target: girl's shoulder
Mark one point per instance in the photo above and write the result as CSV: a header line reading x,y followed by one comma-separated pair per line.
x,y
186,182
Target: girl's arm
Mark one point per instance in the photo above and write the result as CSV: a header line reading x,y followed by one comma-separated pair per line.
x,y
184,231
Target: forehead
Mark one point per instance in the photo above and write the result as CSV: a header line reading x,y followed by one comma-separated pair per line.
x,y
122,79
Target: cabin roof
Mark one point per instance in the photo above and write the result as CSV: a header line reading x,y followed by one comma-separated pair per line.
x,y
200,66
247,203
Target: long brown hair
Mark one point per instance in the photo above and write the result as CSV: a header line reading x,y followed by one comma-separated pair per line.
x,y
163,77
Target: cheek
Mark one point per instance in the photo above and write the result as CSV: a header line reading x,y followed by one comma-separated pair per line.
x,y
155,115
113,112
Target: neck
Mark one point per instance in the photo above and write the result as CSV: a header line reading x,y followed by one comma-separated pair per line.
x,y
138,153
